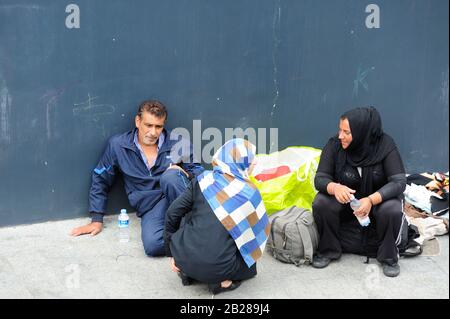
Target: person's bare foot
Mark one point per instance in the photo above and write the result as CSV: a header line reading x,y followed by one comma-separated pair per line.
x,y
226,283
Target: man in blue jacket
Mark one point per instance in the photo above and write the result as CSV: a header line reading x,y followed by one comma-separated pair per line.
x,y
154,173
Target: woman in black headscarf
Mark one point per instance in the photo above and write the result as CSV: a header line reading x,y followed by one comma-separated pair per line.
x,y
364,162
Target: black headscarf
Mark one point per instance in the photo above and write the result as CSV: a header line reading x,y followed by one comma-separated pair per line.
x,y
369,146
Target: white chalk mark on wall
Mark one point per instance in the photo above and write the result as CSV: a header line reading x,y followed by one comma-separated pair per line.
x,y
19,6
92,110
5,111
361,80
51,97
444,88
48,120
276,43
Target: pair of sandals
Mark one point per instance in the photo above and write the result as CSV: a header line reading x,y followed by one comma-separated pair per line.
x,y
214,288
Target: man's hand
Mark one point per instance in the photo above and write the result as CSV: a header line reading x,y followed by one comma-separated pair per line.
x,y
179,168
93,228
172,264
364,209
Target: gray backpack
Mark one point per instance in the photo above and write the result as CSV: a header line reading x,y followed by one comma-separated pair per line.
x,y
293,236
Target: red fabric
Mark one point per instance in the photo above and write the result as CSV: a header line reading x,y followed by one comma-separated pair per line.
x,y
272,173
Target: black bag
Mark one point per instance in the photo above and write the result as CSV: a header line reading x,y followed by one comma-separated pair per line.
x,y
359,240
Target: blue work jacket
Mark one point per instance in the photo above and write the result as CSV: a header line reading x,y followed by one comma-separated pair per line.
x,y
141,184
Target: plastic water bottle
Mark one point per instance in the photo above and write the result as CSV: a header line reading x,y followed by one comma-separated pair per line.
x,y
124,229
355,204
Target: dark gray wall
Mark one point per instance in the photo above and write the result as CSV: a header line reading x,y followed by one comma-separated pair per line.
x,y
296,65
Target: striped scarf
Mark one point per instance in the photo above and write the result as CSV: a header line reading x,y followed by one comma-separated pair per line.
x,y
235,200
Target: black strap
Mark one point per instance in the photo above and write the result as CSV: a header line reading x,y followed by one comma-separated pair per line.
x,y
365,235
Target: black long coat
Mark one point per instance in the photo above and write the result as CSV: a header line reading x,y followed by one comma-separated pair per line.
x,y
202,247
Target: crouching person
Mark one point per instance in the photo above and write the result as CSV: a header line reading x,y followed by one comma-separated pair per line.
x,y
364,162
225,226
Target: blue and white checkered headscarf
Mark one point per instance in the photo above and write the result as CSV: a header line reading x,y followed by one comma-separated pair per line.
x,y
235,200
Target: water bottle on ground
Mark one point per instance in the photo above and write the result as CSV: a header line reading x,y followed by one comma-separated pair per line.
x,y
124,226
355,204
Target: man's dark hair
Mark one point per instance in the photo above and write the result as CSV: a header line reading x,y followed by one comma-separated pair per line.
x,y
154,107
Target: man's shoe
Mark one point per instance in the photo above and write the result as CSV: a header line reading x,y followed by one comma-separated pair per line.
x,y
320,262
217,288
391,270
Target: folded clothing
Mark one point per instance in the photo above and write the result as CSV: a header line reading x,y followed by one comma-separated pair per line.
x,y
429,227
438,184
418,196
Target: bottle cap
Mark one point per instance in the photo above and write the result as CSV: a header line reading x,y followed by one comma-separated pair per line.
x,y
123,211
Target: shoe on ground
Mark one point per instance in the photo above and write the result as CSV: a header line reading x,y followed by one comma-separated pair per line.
x,y
391,270
217,288
185,280
320,262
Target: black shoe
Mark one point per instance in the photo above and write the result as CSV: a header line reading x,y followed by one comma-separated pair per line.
x,y
217,288
320,262
391,270
185,280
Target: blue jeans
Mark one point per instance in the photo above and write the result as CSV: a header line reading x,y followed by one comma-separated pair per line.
x,y
173,183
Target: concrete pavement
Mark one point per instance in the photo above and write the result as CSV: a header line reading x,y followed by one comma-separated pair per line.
x,y
43,261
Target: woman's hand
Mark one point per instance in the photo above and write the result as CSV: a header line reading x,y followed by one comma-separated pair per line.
x,y
342,193
172,264
364,209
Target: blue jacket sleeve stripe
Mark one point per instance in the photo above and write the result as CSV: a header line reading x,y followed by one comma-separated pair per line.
x,y
101,170
103,177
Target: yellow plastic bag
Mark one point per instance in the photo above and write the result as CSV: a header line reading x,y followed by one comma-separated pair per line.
x,y
286,178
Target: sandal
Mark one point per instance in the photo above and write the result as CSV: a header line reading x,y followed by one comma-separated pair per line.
x,y
412,251
185,280
217,288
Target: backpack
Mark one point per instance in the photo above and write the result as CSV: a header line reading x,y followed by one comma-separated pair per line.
x,y
359,240
293,236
